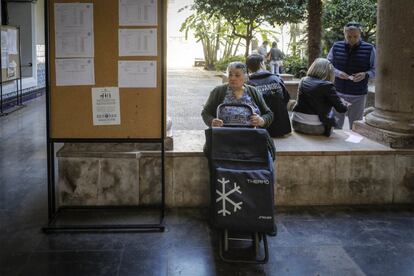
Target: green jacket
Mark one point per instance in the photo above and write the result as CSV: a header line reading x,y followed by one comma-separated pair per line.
x,y
217,97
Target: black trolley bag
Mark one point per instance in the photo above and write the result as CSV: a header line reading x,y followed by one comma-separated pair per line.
x,y
242,185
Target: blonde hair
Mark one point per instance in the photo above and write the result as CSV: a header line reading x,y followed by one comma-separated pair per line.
x,y
322,69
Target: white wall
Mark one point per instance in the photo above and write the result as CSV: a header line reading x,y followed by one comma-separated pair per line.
x,y
23,16
40,22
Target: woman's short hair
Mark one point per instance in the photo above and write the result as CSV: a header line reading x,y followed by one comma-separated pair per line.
x,y
322,69
237,65
254,62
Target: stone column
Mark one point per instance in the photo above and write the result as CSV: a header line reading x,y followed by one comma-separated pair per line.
x,y
392,121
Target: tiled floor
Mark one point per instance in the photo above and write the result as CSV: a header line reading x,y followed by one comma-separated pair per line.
x,y
311,241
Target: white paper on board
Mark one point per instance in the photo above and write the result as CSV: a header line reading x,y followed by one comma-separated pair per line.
x,y
137,74
4,40
73,16
74,35
12,41
4,49
137,42
4,60
137,12
74,44
75,71
106,106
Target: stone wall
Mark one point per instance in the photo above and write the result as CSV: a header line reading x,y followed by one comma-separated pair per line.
x,y
330,177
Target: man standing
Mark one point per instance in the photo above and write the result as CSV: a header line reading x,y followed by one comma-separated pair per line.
x,y
354,62
262,50
275,56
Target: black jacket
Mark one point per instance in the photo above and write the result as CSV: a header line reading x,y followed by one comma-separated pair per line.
x,y
317,97
276,97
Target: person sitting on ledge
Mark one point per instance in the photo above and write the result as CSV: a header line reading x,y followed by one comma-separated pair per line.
x,y
274,93
237,92
317,95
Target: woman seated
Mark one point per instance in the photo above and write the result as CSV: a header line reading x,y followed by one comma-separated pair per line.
x,y
237,92
312,113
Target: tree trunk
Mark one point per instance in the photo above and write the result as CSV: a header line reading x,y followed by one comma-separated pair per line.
x,y
246,53
249,37
314,30
237,47
217,45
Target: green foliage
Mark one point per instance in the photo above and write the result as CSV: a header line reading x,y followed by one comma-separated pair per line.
x,y
207,30
295,65
251,14
221,65
336,13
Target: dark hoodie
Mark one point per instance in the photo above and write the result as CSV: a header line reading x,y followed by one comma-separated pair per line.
x,y
276,97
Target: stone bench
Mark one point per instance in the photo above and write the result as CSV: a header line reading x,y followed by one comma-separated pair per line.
x,y
199,62
310,170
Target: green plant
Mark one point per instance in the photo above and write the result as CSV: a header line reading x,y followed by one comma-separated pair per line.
x,y
221,65
295,65
247,16
336,13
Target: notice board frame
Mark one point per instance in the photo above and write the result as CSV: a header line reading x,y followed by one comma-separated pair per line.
x,y
4,78
142,111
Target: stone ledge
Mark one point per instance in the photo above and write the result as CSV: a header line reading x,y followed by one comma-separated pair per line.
x,y
310,170
190,143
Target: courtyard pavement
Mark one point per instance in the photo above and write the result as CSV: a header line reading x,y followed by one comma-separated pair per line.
x,y
188,90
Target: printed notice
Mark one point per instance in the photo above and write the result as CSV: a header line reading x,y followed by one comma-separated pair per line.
x,y
106,106
137,74
74,30
138,12
75,71
4,49
12,41
74,44
137,42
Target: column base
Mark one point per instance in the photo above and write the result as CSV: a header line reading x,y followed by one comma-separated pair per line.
x,y
169,143
385,137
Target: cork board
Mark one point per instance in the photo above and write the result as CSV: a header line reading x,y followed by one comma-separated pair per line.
x,y
14,73
140,108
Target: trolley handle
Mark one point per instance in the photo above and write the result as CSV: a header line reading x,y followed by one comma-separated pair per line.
x,y
237,119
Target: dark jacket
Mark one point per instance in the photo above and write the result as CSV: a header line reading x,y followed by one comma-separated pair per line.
x,y
352,60
276,97
217,97
317,97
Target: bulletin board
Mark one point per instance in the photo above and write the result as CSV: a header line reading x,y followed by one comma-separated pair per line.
x,y
10,65
142,110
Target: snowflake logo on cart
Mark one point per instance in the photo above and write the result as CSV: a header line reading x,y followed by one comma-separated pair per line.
x,y
224,197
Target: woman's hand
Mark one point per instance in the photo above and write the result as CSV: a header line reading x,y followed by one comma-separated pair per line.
x,y
256,120
216,123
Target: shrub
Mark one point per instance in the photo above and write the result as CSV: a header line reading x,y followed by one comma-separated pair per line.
x,y
221,65
296,66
